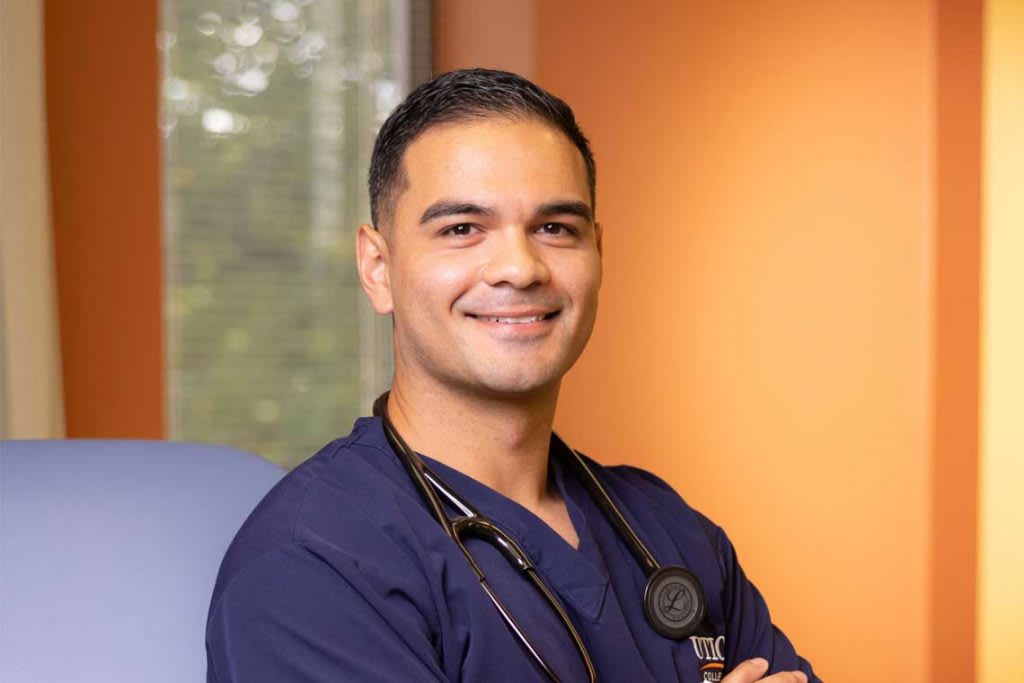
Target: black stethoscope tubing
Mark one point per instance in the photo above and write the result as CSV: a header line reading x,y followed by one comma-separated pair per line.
x,y
662,583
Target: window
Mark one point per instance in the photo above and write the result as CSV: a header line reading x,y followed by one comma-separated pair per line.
x,y
269,112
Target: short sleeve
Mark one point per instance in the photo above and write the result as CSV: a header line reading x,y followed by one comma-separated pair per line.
x,y
291,616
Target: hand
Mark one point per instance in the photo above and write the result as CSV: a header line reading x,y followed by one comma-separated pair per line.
x,y
753,669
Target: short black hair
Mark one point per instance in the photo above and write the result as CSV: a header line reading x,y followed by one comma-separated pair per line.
x,y
463,95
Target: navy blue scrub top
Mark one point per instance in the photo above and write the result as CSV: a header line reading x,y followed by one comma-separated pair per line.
x,y
342,574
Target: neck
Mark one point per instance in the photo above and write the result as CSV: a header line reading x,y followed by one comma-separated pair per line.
x,y
500,441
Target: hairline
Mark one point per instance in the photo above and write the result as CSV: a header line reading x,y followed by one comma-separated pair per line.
x,y
401,177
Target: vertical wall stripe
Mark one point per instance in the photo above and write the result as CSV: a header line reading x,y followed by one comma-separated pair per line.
x,y
31,405
101,87
956,338
1000,634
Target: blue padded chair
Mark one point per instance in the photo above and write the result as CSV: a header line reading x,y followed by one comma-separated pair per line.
x,y
108,555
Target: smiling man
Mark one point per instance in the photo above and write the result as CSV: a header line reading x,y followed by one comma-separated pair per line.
x,y
453,536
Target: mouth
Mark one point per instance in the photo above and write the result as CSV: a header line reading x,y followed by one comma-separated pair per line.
x,y
514,319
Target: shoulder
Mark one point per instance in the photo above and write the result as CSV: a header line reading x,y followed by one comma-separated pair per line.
x,y
348,506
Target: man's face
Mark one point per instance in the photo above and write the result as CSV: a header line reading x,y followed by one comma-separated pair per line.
x,y
491,263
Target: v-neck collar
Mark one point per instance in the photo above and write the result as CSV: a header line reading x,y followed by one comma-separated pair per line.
x,y
576,574
569,570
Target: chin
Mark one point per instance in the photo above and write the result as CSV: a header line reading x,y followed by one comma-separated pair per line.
x,y
513,382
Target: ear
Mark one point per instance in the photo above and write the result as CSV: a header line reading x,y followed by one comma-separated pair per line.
x,y
372,264
598,234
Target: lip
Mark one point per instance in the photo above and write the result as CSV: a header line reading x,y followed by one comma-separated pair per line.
x,y
518,313
517,317
526,322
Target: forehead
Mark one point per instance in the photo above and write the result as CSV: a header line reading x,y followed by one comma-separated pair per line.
x,y
506,163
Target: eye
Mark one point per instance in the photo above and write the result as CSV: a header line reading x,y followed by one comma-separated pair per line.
x,y
459,230
557,229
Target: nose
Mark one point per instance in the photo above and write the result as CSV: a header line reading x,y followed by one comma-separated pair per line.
x,y
515,261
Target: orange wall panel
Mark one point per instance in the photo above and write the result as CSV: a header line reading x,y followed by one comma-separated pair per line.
x,y
956,363
101,71
764,343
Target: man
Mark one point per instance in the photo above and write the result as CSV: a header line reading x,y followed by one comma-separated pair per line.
x,y
485,251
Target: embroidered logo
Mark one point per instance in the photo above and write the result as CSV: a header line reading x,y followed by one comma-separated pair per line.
x,y
711,655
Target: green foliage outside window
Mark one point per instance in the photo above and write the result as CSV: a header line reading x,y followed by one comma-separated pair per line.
x,y
269,110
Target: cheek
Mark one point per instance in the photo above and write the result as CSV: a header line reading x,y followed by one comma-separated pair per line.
x,y
450,276
585,281
434,282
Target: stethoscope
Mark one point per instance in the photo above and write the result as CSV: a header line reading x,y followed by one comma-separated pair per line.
x,y
673,596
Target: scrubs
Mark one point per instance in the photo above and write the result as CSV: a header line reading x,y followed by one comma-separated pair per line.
x,y
342,574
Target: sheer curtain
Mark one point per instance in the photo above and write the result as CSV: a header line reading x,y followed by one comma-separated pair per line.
x,y
31,404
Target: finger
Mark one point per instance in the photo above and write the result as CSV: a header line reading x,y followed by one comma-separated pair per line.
x,y
747,672
785,677
752,670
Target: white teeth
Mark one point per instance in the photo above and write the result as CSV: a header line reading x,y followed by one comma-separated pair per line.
x,y
513,321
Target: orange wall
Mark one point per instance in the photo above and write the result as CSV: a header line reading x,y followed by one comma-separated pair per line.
x,y
789,192
764,340
101,89
494,34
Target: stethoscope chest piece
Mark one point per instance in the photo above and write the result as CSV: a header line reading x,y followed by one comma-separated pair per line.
x,y
674,602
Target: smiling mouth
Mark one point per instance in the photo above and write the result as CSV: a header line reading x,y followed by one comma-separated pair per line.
x,y
514,320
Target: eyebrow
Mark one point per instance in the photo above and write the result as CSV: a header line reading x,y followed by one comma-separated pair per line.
x,y
568,207
447,207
